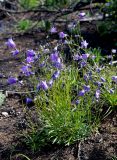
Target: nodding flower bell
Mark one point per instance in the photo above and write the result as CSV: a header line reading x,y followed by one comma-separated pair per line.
x,y
86,88
30,53
82,93
10,43
43,85
77,57
15,52
97,94
54,57
85,56
55,75
114,79
103,79
12,80
28,100
62,35
26,70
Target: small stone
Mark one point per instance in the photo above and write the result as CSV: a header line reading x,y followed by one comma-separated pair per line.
x,y
5,114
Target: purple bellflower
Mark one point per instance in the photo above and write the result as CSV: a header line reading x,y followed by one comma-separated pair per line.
x,y
54,57
98,83
114,78
50,83
111,91
28,100
30,59
86,77
93,57
15,52
42,64
83,64
103,79
82,14
85,56
10,43
53,30
86,88
12,80
77,57
58,65
98,70
82,93
84,44
62,35
26,70
30,53
43,85
75,102
97,94
55,75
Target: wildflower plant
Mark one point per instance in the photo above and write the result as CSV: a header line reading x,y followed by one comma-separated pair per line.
x,y
69,97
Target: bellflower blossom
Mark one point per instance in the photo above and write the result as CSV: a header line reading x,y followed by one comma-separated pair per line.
x,y
26,70
53,30
83,64
15,52
55,75
50,83
103,79
54,57
30,59
82,93
113,51
97,94
62,35
42,64
58,65
82,14
43,85
12,80
86,88
86,77
111,91
77,57
84,44
76,102
30,53
114,78
28,100
98,83
85,56
98,70
10,43
109,56
56,60
93,57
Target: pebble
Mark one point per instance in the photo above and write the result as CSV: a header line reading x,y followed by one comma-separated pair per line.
x,y
5,114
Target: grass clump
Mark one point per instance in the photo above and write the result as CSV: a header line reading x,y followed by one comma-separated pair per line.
x,y
70,98
64,121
